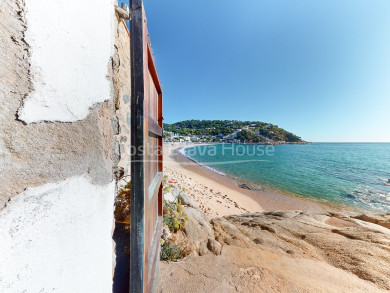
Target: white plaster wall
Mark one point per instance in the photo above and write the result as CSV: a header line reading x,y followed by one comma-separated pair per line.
x,y
71,42
57,237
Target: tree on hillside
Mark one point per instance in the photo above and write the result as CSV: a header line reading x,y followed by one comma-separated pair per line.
x,y
247,136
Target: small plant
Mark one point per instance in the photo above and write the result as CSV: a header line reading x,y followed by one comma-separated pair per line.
x,y
165,180
179,208
122,205
173,216
175,220
167,189
171,252
167,186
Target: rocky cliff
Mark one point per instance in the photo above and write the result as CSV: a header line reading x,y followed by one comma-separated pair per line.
x,y
282,251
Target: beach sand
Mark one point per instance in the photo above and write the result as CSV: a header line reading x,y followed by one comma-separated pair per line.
x,y
218,195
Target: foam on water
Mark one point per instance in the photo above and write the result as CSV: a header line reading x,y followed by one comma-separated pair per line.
x,y
386,181
377,201
183,152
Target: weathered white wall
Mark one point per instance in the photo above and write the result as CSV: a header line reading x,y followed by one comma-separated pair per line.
x,y
71,43
56,66
57,237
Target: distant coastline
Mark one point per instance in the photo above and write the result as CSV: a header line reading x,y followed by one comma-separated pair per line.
x,y
261,143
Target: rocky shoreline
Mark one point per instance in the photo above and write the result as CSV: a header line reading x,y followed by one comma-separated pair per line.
x,y
281,251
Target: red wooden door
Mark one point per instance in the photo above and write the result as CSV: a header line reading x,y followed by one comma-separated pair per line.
x,y
146,161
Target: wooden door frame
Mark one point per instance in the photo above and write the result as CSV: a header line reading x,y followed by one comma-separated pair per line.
x,y
142,62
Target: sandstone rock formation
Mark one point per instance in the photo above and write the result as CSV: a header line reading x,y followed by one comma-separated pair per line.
x,y
198,230
175,194
284,251
185,200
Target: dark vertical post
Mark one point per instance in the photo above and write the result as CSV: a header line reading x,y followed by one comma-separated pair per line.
x,y
137,141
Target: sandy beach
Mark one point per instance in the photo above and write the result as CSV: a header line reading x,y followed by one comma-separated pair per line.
x,y
219,195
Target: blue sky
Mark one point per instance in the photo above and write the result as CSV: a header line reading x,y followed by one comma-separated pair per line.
x,y
320,69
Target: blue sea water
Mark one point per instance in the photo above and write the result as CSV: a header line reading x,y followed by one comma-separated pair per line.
x,y
354,174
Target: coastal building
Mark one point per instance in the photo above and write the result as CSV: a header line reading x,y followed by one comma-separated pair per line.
x,y
168,136
184,138
231,136
194,139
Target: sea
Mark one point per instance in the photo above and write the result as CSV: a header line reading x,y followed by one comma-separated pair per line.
x,y
351,174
